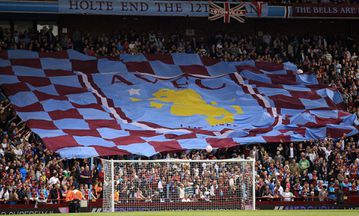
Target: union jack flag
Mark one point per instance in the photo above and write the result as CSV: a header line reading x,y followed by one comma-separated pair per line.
x,y
227,12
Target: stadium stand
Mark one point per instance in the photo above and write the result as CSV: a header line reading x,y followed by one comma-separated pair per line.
x,y
313,170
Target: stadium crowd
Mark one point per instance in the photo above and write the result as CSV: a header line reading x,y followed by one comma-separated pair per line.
x,y
29,173
182,182
334,59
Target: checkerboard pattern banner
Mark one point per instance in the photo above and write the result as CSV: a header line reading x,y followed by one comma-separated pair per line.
x,y
82,106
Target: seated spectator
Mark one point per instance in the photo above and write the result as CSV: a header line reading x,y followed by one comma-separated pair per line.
x,y
4,195
139,196
287,195
267,193
181,192
41,198
323,195
186,199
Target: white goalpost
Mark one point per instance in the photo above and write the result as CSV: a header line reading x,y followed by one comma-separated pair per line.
x,y
172,184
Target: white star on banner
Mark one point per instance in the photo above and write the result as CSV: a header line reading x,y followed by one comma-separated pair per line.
x,y
134,91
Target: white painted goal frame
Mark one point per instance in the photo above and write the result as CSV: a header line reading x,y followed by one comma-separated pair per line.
x,y
173,184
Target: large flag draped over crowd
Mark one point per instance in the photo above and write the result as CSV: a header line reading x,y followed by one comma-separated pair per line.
x,y
82,106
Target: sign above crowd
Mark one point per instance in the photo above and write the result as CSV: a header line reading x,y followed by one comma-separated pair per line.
x,y
254,9
152,8
330,10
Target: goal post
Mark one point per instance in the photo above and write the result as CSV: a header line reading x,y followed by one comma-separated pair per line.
x,y
172,184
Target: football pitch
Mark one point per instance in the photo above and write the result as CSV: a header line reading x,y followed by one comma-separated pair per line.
x,y
224,213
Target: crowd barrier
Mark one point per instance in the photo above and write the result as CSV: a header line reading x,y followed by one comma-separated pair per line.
x,y
262,203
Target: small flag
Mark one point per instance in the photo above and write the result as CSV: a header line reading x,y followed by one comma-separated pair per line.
x,y
236,11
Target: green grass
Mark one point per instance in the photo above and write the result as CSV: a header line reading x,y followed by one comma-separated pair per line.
x,y
225,213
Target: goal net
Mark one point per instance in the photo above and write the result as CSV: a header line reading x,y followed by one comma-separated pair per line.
x,y
158,185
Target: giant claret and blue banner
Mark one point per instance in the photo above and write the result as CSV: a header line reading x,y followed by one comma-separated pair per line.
x,y
82,106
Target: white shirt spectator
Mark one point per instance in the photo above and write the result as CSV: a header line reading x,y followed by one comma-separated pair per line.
x,y
326,151
280,190
159,185
207,196
120,171
204,165
211,190
231,182
181,193
196,172
287,196
338,68
291,152
2,191
6,195
53,180
132,46
18,152
216,167
327,57
186,200
312,156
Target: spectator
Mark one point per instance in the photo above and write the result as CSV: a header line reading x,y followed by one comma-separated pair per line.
x,y
55,194
279,157
41,198
303,163
287,195
181,191
139,196
267,193
54,180
86,176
